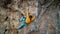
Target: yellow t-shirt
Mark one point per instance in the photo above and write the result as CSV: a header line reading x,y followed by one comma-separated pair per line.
x,y
28,19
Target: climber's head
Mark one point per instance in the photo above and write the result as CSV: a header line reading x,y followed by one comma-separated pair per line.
x,y
30,17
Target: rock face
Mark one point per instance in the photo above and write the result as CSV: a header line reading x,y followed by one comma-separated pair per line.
x,y
10,12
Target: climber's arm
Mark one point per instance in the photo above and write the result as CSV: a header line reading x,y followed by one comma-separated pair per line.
x,y
27,14
33,18
27,18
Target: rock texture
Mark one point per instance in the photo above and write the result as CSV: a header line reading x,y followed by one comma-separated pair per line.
x,y
10,12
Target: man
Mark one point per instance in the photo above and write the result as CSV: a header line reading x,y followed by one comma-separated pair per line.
x,y
26,20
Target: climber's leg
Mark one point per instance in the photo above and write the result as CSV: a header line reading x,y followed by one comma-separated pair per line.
x,y
22,25
22,19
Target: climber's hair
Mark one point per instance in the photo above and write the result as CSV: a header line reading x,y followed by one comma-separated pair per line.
x,y
30,17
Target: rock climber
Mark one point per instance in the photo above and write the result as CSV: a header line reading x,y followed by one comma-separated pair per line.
x,y
26,20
